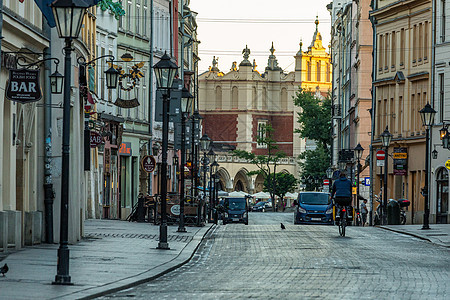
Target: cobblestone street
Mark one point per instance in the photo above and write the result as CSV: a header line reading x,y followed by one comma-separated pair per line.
x,y
262,261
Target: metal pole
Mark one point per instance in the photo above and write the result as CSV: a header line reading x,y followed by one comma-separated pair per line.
x,y
181,227
163,244
426,216
385,186
62,277
211,202
358,166
204,181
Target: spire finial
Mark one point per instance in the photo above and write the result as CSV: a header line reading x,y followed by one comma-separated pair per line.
x,y
317,22
272,49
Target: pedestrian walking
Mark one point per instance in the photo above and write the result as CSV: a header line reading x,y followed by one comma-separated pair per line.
x,y
364,211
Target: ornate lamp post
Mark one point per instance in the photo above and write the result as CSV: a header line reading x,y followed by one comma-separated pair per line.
x,y
165,71
386,137
329,176
427,114
359,152
69,17
186,102
212,159
205,142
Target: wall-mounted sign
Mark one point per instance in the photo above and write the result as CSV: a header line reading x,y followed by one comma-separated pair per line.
x,y
127,97
23,86
400,161
447,164
125,149
148,163
96,139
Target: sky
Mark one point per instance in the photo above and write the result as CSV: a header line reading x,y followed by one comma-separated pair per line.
x,y
225,27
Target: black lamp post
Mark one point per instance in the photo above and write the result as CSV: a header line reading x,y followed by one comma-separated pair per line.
x,y
359,152
329,176
386,137
427,114
186,101
205,141
215,197
212,159
165,71
69,17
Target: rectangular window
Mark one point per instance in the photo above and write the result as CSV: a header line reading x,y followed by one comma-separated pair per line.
x,y
442,21
318,71
402,47
309,70
137,17
392,116
144,18
121,17
386,52
414,42
393,50
425,41
400,114
441,97
420,57
128,14
110,91
380,51
102,79
412,122
261,134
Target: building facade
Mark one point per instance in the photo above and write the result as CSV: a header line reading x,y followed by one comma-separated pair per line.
x,y
236,104
402,87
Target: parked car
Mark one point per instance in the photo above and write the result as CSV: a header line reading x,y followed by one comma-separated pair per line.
x,y
262,206
313,208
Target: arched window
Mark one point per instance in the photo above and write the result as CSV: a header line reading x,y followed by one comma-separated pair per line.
x,y
218,97
442,196
234,98
308,64
284,101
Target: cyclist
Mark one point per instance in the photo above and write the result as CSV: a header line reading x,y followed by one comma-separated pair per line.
x,y
342,192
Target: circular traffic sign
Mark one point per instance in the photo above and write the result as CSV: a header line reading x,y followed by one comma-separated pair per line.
x,y
148,163
381,154
447,164
326,182
175,209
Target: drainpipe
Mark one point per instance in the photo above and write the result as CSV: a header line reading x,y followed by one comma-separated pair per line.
x,y
372,114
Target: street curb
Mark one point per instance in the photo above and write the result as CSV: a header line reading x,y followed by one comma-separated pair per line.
x,y
156,272
414,235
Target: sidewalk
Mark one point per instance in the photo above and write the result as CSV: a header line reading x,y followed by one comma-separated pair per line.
x,y
112,256
438,234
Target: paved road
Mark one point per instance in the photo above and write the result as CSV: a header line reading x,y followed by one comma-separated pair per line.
x,y
304,262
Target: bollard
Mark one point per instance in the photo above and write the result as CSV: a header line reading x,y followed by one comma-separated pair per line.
x,y
140,210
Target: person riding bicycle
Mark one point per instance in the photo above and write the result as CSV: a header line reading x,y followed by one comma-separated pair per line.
x,y
342,191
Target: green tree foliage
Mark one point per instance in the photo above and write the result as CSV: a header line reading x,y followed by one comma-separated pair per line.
x,y
267,164
315,124
285,182
114,7
314,118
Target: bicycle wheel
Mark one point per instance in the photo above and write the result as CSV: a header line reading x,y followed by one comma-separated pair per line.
x,y
343,223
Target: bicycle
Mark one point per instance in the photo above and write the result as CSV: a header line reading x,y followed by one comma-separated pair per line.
x,y
342,220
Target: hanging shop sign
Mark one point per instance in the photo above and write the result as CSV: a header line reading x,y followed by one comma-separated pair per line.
x,y
23,86
125,149
127,92
400,161
96,139
148,163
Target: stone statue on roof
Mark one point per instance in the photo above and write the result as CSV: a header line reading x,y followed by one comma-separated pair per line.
x,y
233,66
215,64
246,53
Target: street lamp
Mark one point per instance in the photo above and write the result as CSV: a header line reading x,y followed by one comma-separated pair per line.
x,y
165,71
186,102
56,82
359,152
205,142
329,172
427,114
386,137
69,17
342,165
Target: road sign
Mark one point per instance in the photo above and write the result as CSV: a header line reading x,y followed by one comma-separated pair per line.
x,y
354,190
148,163
326,182
367,181
381,155
175,209
380,163
447,164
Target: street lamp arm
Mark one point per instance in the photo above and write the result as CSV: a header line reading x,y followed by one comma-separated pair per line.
x,y
24,64
82,61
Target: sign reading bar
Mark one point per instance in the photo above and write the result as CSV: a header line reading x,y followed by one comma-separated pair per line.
x,y
148,163
96,139
23,86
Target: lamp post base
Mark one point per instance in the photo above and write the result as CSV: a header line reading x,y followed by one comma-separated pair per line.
x,y
425,227
62,280
181,229
163,246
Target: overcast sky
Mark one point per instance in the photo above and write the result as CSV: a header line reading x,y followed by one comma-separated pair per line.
x,y
225,27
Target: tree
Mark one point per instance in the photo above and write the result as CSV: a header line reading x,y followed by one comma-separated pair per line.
x,y
267,164
285,182
315,124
